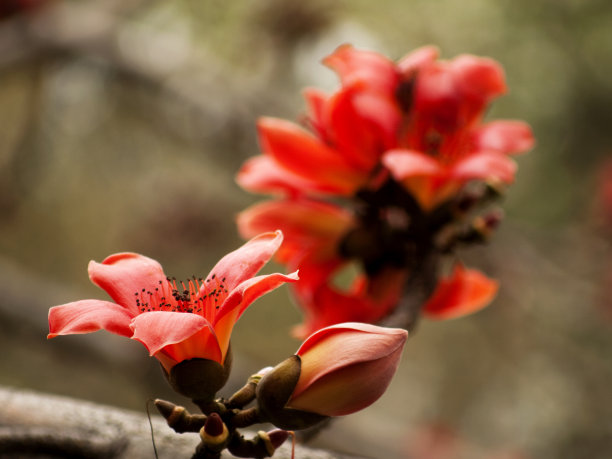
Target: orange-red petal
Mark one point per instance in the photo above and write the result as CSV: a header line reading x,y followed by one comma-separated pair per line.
x,y
303,154
464,292
171,332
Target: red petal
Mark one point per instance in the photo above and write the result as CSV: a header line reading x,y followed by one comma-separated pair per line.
x,y
262,174
364,124
316,100
172,332
480,77
306,224
464,292
489,166
504,136
418,58
88,316
244,262
367,69
303,154
124,274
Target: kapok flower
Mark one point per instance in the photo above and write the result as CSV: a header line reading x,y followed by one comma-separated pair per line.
x,y
336,371
176,321
420,118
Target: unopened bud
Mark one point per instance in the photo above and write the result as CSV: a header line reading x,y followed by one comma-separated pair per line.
x,y
178,418
338,370
214,434
273,439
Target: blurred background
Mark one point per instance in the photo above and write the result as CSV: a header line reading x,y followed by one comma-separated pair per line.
x,y
122,124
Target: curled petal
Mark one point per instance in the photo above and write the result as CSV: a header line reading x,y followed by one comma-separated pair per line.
x,y
88,316
123,274
180,335
305,155
244,262
466,291
366,69
504,136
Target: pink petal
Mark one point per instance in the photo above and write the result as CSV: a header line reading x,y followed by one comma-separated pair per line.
x,y
124,274
88,316
244,262
305,155
504,136
355,331
418,58
173,332
464,292
363,68
410,163
489,166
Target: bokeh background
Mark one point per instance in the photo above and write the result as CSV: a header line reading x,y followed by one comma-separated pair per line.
x,y
122,124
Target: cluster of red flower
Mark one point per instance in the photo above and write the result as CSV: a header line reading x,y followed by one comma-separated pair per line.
x,y
416,124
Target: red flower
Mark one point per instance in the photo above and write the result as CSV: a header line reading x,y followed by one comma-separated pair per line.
x,y
420,118
415,124
175,321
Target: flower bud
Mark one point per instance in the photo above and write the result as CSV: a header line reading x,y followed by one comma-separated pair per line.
x,y
199,379
214,434
338,370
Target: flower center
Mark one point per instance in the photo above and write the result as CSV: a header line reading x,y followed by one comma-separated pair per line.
x,y
194,295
